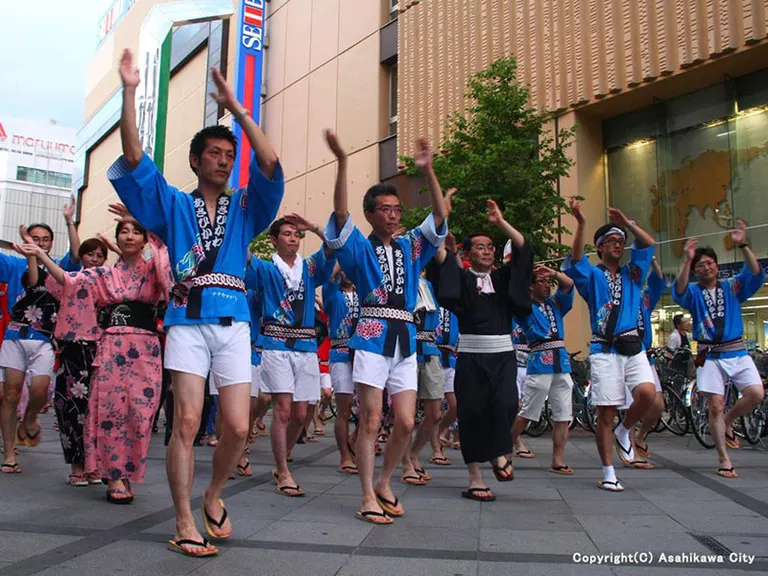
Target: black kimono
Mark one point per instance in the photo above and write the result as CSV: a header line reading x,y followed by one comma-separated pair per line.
x,y
486,389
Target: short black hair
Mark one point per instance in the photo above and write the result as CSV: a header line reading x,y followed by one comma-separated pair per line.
x,y
369,200
677,320
43,226
274,228
200,139
700,252
139,228
90,245
467,244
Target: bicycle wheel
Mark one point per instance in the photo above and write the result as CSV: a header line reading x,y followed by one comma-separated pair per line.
x,y
700,420
536,429
675,416
751,425
332,406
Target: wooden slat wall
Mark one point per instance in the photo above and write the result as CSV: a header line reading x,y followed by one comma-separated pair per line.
x,y
569,52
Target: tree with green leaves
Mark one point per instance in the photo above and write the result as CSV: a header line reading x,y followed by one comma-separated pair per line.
x,y
499,149
261,246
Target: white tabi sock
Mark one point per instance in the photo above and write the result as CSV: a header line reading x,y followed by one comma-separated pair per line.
x,y
609,474
622,433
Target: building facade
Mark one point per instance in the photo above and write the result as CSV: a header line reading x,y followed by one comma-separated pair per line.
x,y
668,98
36,163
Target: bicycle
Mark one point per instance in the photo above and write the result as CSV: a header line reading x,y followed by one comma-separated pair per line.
x,y
583,411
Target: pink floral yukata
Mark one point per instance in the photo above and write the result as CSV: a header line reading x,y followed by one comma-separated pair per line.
x,y
127,375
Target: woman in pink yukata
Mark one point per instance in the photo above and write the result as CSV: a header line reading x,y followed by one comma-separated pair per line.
x,y
127,369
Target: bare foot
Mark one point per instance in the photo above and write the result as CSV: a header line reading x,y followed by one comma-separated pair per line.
x,y
217,522
190,532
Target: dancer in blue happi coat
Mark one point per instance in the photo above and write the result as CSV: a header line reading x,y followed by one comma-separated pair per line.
x,y
612,292
342,306
386,272
715,307
289,370
207,234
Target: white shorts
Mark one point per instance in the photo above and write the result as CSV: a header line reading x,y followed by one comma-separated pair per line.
x,y
450,375
397,374
559,389
656,382
713,375
613,375
522,375
325,384
202,349
34,357
256,383
341,378
291,372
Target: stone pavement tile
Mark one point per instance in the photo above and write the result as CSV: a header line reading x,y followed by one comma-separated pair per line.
x,y
446,517
748,479
756,493
132,557
624,534
710,507
535,541
585,491
536,569
378,566
350,534
18,546
413,500
649,481
328,508
515,519
550,507
704,523
699,494
237,561
243,525
612,507
673,570
756,545
399,535
522,491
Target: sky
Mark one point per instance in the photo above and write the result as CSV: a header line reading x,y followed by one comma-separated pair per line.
x,y
45,47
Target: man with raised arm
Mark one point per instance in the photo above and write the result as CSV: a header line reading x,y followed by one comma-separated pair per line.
x,y
385,271
207,234
484,299
617,359
715,307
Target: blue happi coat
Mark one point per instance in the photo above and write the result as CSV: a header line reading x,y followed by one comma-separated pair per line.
x,y
427,321
364,261
447,335
545,322
197,246
343,311
257,340
613,301
655,287
717,317
286,307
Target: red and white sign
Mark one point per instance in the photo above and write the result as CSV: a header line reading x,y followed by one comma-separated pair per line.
x,y
26,142
3,135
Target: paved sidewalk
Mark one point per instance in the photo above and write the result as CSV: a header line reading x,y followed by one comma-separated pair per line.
x,y
537,524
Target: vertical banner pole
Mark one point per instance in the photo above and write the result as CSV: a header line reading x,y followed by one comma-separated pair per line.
x,y
162,102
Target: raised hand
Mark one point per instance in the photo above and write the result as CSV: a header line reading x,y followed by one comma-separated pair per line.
x,y
495,216
224,97
333,143
739,235
618,217
423,156
690,248
25,237
450,243
300,223
575,206
69,211
28,249
129,74
448,195
121,212
545,271
400,232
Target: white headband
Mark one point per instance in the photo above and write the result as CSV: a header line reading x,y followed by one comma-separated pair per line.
x,y
611,232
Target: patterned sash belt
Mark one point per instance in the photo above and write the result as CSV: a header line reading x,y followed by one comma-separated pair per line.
x,y
339,343
447,348
386,313
180,290
547,345
426,336
729,346
602,340
288,332
521,347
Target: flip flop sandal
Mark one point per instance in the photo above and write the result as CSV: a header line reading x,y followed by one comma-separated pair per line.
x,y
119,501
413,480
262,429
311,440
564,470
474,494
610,486
176,546
641,465
348,469
424,475
441,461
129,488
297,491
10,468
643,450
445,443
15,451
525,454
377,449
289,459
499,470
77,480
389,506
457,446
275,476
727,472
319,432
732,442
626,455
247,451
378,518
210,523
94,480
33,440
245,470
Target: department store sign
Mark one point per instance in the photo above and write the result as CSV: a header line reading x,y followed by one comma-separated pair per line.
x,y
112,16
32,143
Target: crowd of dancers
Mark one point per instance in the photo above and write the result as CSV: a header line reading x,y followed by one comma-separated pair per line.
x,y
405,317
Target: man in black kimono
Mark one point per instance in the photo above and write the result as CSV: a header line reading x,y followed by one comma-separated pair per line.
x,y
484,300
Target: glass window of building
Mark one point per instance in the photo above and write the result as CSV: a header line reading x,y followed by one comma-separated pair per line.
x,y
46,177
393,100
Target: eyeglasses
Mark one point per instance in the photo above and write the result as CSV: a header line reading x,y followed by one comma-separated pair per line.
x,y
702,264
614,241
485,247
388,209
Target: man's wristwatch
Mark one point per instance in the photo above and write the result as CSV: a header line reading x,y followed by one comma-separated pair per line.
x,y
242,114
632,223
742,246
